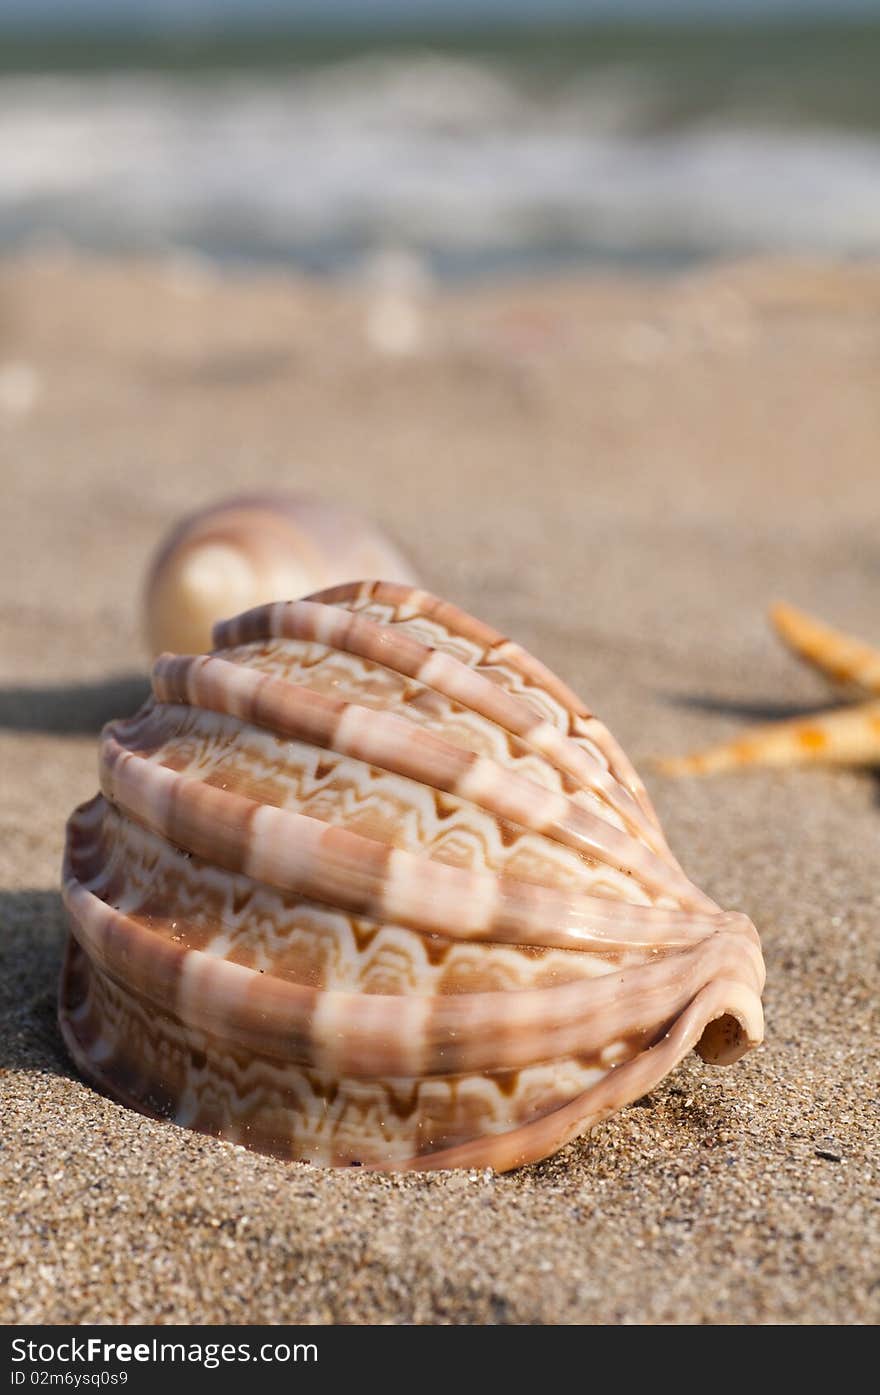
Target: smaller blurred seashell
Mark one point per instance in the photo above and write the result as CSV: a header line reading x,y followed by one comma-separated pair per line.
x,y
246,551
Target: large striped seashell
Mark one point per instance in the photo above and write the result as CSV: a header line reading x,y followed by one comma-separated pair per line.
x,y
370,885
241,552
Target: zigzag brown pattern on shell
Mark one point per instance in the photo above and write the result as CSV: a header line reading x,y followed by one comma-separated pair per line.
x,y
223,752
205,1082
199,906
439,670
355,679
446,627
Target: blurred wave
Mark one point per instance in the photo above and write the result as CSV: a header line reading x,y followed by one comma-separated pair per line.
x,y
468,159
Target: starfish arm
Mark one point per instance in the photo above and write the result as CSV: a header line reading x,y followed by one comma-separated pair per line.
x,y
846,736
839,656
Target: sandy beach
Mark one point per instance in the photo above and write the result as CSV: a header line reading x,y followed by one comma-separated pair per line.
x,y
620,473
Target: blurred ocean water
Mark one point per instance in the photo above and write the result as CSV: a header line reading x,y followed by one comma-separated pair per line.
x,y
616,147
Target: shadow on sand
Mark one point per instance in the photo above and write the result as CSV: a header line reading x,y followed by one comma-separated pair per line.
x,y
32,930
72,709
756,711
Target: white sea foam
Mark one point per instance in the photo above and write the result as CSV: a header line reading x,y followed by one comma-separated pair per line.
x,y
461,159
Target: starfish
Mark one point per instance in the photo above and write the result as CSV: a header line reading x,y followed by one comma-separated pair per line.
x,y
846,735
